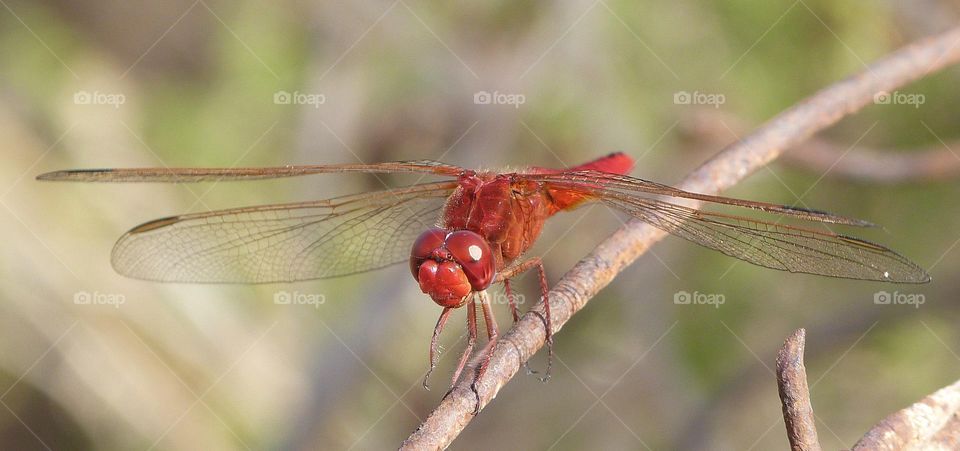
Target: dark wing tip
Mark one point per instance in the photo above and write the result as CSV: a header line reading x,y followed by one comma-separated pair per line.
x,y
916,276
53,176
909,271
155,224
830,217
120,256
920,276
69,175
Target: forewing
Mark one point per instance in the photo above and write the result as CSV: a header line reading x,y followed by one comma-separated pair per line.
x,y
600,183
782,247
188,175
285,242
762,243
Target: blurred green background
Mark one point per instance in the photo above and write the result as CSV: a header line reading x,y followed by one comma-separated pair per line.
x,y
183,83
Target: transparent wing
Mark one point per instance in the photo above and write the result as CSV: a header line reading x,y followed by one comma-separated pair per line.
x,y
782,247
283,242
187,175
762,243
597,183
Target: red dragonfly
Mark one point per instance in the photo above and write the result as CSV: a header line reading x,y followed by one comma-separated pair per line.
x,y
459,235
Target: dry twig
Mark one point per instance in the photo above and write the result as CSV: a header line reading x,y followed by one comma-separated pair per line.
x,y
878,166
795,395
931,423
728,167
938,162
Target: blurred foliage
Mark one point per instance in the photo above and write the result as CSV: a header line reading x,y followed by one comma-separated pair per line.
x,y
398,80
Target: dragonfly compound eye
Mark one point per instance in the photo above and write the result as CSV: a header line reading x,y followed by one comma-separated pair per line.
x,y
473,254
423,248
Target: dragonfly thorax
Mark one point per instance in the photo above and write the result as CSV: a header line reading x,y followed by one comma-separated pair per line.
x,y
450,265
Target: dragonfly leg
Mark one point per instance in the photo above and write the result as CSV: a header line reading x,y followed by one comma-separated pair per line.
x,y
548,326
433,344
544,289
516,316
511,300
493,333
471,338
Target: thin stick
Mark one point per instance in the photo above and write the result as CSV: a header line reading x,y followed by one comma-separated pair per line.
x,y
837,160
795,395
928,164
597,269
931,423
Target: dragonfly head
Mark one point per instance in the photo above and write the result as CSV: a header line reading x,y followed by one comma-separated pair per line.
x,y
451,265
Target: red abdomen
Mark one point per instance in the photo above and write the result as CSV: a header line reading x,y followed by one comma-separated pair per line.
x,y
614,163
